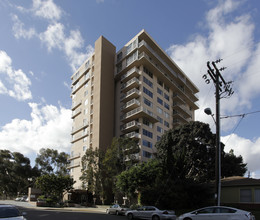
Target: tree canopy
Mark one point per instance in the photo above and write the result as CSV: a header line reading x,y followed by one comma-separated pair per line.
x,y
183,169
53,185
50,161
15,172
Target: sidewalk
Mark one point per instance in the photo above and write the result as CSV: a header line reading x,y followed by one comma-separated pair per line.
x,y
100,209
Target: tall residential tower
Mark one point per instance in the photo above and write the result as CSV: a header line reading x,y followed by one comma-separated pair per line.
x,y
138,92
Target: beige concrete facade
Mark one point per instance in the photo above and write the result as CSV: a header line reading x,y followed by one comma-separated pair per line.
x,y
138,92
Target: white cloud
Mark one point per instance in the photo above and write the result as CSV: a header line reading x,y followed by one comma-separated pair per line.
x,y
20,31
14,83
55,38
231,37
49,127
250,150
47,10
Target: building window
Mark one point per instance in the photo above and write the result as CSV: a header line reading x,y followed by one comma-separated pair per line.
x,y
84,148
158,138
119,67
131,58
245,195
149,73
160,101
166,96
159,91
119,56
160,119
166,115
86,101
148,92
166,105
148,82
147,133
147,154
147,123
159,129
166,123
147,102
159,110
147,144
257,195
166,88
159,82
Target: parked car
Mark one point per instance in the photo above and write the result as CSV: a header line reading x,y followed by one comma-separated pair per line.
x,y
117,209
217,213
150,212
41,202
11,213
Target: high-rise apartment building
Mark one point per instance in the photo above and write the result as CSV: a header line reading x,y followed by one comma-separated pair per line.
x,y
138,92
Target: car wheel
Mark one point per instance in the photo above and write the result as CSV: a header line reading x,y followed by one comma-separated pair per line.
x,y
187,219
155,217
130,216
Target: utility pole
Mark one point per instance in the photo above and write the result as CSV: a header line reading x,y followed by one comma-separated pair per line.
x,y
223,90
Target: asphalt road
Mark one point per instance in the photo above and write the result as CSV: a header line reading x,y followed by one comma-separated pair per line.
x,y
35,214
42,213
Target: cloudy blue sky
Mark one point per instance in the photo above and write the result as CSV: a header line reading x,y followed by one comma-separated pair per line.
x,y
42,42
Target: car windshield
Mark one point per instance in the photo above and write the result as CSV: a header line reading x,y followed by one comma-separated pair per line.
x,y
7,212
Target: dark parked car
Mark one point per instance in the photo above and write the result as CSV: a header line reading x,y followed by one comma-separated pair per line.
x,y
11,213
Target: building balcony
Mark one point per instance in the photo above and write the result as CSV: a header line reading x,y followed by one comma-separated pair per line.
x,y
130,84
139,112
78,128
134,72
74,156
177,115
75,105
130,126
130,105
133,135
131,94
189,98
76,87
77,137
183,110
75,113
177,98
176,122
73,164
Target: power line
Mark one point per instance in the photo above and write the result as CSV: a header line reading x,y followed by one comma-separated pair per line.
x,y
240,115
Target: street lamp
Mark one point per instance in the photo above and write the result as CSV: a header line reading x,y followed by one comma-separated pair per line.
x,y
218,154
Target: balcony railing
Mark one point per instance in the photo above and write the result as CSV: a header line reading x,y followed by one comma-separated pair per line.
x,y
73,156
131,92
130,72
132,102
130,125
130,82
133,135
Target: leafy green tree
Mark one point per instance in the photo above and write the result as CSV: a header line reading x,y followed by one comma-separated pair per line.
x,y
232,165
15,172
50,161
91,173
120,156
54,186
188,151
180,174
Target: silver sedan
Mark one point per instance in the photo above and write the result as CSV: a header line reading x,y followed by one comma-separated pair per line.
x,y
150,212
217,213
